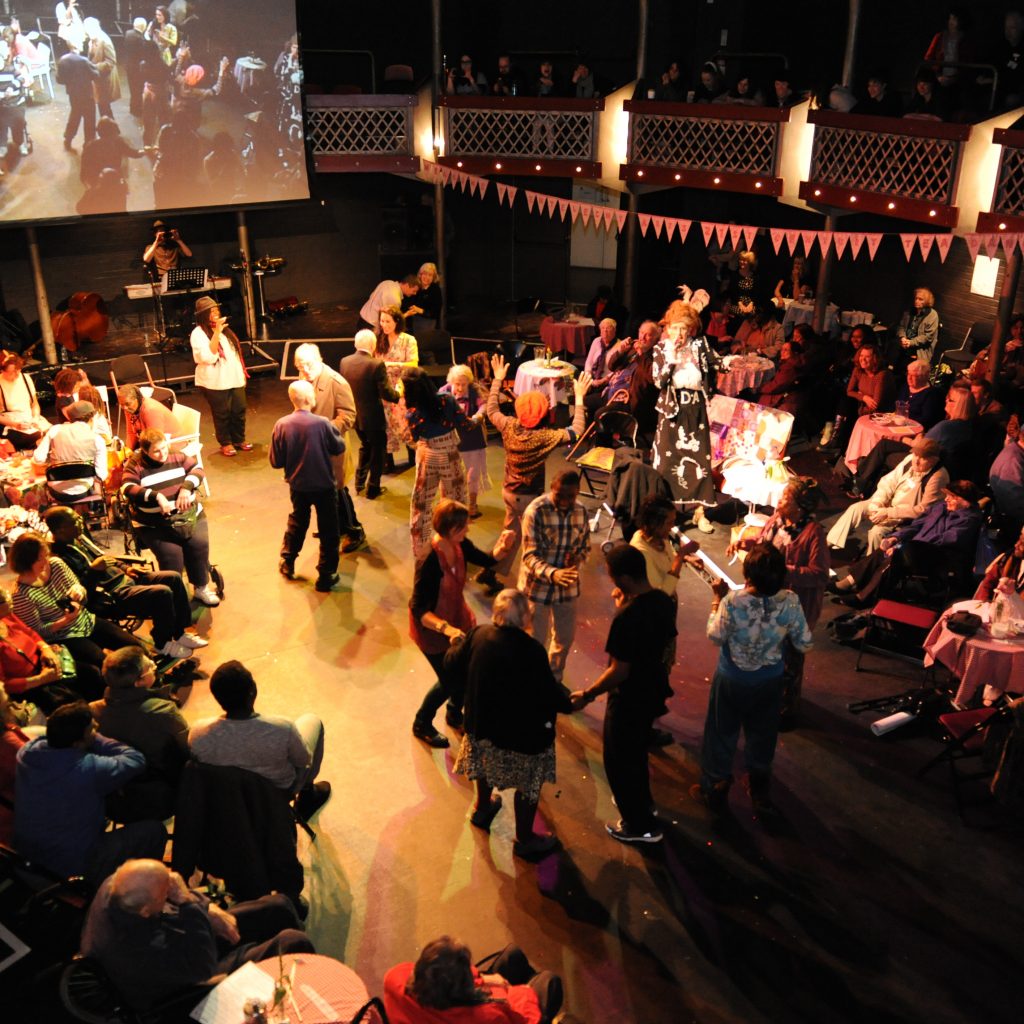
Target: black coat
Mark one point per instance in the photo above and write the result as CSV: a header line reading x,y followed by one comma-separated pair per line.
x,y
368,378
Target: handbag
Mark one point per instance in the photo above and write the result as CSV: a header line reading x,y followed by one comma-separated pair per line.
x,y
963,623
183,524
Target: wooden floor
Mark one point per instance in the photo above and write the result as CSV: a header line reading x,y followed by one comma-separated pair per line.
x,y
870,903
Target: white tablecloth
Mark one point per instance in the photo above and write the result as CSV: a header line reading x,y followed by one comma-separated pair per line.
x,y
554,381
803,313
744,372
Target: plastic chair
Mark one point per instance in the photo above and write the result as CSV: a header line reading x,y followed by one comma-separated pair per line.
x,y
187,439
39,68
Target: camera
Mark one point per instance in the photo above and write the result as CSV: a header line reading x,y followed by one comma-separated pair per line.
x,y
65,603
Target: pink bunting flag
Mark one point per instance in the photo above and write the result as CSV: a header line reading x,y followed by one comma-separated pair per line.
x,y
777,236
873,242
510,191
659,223
588,211
792,237
925,243
531,197
552,204
856,241
574,210
463,180
735,233
824,241
482,184
670,227
909,241
721,231
1010,240
708,230
808,238
839,240
645,222
749,234
684,229
563,207
446,175
620,218
990,243
973,241
474,184
501,191
942,243
609,216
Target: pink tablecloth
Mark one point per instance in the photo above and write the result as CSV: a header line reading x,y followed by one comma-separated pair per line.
x,y
977,660
868,432
564,336
326,991
743,374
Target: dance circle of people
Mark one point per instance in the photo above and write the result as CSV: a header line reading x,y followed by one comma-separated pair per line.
x,y
113,744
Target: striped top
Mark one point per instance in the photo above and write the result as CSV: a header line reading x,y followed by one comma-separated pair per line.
x,y
143,480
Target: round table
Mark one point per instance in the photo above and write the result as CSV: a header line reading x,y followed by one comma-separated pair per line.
x,y
978,660
553,381
744,372
325,990
572,336
868,431
248,73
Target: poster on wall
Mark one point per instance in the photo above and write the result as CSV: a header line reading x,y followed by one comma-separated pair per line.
x,y
184,107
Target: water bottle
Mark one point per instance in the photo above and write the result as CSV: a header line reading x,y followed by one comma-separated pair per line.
x,y
1000,624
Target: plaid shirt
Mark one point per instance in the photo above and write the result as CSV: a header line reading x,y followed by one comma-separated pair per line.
x,y
552,540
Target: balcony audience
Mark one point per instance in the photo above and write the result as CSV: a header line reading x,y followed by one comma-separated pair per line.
x,y
1008,59
744,92
954,44
671,86
930,101
509,79
62,782
784,96
463,81
879,100
710,85
582,81
547,83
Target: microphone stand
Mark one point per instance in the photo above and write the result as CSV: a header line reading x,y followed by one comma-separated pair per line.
x,y
162,340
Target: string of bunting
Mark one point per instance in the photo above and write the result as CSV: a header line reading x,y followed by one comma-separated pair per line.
x,y
794,239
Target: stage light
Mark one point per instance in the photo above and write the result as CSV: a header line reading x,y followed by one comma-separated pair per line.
x,y
459,163
892,206
853,199
497,166
817,191
931,213
1002,227
639,174
579,170
537,167
757,184
717,181
679,177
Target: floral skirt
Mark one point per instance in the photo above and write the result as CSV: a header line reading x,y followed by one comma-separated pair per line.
x,y
682,454
506,769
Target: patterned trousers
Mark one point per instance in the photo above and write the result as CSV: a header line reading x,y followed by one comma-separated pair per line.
x,y
438,464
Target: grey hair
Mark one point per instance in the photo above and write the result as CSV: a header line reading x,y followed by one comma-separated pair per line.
x,y
307,350
366,340
301,394
511,608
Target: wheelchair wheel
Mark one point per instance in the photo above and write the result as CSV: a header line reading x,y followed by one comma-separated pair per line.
x,y
218,580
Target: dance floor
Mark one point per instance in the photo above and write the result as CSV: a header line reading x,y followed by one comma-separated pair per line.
x,y
869,902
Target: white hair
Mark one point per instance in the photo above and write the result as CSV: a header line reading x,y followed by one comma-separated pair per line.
x,y
301,394
460,372
309,352
366,340
510,608
139,24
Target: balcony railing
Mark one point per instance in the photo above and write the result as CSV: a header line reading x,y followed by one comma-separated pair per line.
x,y
362,133
893,166
703,145
519,135
1008,203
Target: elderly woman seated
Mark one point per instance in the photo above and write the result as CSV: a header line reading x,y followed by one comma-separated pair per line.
x,y
938,543
901,496
787,389
143,413
1007,566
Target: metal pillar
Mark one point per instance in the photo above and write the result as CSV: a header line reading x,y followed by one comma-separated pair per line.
x,y
850,53
1001,328
252,326
42,302
437,85
823,287
630,268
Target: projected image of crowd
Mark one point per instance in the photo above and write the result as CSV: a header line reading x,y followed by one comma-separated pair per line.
x,y
162,113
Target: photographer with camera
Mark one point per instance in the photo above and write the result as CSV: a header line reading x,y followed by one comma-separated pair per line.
x,y
166,249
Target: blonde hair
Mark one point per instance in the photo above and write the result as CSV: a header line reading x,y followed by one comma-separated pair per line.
x,y
748,257
432,267
963,405
683,312
609,320
460,372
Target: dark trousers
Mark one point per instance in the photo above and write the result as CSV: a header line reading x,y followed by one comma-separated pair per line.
x,y
348,521
373,447
175,554
228,410
886,455
162,598
735,704
326,505
512,964
267,927
440,692
83,111
627,733
89,649
13,118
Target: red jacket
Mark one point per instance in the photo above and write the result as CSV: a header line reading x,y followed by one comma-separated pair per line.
x,y
511,1004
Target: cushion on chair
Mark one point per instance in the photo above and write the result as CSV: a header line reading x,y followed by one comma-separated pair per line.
x,y
598,458
905,614
959,723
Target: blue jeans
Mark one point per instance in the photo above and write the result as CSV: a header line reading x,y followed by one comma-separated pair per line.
x,y
736,703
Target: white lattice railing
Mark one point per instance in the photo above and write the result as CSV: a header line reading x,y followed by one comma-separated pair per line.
x,y
361,132
1009,198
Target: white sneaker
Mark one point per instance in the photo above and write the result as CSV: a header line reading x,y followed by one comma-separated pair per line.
x,y
206,595
172,649
192,641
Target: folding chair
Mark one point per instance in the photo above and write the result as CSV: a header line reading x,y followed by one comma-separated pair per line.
x,y
610,430
187,439
906,625
91,504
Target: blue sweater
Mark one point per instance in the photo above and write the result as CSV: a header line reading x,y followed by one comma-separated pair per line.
x,y
942,528
59,799
302,445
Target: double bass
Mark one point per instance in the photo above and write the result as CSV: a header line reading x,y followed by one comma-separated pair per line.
x,y
85,320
